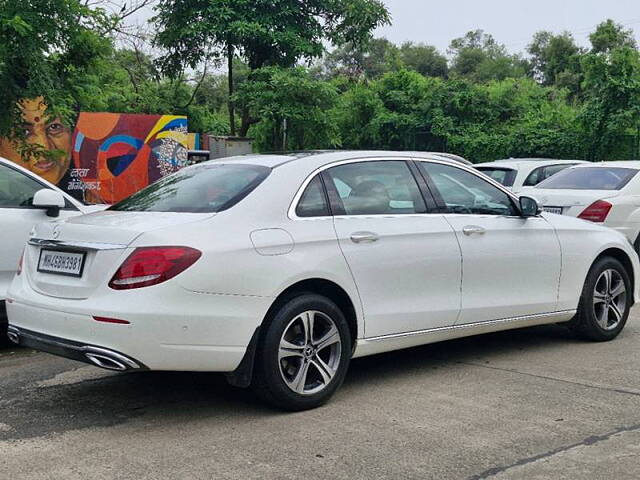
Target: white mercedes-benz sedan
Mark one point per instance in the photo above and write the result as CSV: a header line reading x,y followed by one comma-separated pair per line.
x,y
280,269
607,193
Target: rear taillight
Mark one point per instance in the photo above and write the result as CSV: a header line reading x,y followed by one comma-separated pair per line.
x,y
596,212
148,266
19,270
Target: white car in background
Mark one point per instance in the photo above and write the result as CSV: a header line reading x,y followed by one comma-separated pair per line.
x,y
516,173
25,200
279,269
606,193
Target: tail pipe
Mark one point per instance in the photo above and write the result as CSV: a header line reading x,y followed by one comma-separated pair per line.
x,y
98,356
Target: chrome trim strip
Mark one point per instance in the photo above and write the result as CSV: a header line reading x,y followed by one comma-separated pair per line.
x,y
45,242
471,326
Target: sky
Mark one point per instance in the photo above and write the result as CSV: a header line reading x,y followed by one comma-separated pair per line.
x,y
511,22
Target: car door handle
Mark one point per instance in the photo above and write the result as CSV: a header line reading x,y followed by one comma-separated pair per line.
x,y
473,230
364,237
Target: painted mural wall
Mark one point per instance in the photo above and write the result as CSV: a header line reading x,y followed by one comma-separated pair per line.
x,y
115,155
106,156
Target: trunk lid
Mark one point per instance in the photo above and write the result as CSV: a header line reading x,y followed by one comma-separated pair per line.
x,y
572,202
101,237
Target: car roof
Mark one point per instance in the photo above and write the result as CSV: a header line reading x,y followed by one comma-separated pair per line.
x,y
635,164
528,162
323,157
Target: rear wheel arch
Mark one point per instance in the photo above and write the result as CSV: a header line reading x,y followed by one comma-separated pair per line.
x,y
319,286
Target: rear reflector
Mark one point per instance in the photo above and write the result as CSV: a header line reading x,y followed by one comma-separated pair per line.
x,y
111,320
148,266
596,212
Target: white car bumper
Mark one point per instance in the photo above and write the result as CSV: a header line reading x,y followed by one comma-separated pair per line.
x,y
184,331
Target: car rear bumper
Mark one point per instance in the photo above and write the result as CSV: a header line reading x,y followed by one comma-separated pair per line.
x,y
173,330
93,354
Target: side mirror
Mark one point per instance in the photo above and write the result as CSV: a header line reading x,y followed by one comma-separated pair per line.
x,y
49,200
529,207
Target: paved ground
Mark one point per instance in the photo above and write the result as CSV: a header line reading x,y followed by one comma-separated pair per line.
x,y
532,404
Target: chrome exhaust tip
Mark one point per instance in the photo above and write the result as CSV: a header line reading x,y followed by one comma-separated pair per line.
x,y
109,360
105,362
13,335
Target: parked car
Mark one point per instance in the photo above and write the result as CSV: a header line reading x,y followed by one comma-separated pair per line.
x,y
25,199
606,193
516,173
280,269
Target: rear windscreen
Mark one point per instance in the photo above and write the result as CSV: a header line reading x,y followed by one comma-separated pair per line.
x,y
206,188
590,178
505,176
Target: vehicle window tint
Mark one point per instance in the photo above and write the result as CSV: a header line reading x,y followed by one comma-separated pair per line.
x,y
16,188
204,188
313,202
552,170
377,188
590,178
505,176
464,192
534,177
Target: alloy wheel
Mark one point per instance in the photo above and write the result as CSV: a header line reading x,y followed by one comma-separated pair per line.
x,y
609,299
309,352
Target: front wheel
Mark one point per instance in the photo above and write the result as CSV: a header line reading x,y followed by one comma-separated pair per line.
x,y
606,299
304,354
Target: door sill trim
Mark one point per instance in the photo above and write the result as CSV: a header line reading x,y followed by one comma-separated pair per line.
x,y
471,326
397,341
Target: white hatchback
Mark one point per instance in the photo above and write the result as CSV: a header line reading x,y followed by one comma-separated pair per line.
x,y
517,173
607,193
280,269
26,199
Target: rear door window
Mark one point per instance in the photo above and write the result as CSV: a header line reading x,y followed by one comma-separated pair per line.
x,y
376,188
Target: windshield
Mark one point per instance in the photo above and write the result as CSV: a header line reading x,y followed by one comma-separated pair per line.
x,y
590,178
206,188
505,176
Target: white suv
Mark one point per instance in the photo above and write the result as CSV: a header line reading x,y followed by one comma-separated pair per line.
x,y
26,199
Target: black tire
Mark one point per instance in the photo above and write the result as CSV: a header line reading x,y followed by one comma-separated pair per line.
x,y
270,372
585,324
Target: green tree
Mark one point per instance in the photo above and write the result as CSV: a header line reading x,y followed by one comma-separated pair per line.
x,y
294,109
610,35
612,100
369,60
424,59
478,57
49,55
262,32
555,60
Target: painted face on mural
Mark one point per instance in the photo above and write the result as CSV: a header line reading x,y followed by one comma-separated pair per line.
x,y
48,133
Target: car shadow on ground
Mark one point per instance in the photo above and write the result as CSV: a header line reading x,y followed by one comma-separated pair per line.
x,y
176,397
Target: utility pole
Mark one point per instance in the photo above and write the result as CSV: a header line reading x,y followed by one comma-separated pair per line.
x,y
232,110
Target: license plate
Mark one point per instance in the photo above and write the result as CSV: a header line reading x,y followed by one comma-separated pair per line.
x,y
61,263
557,210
